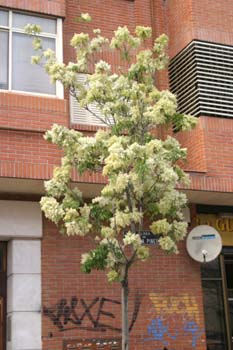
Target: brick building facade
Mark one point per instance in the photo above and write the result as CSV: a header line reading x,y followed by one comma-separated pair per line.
x,y
175,303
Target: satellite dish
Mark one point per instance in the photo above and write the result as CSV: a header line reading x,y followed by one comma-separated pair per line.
x,y
204,243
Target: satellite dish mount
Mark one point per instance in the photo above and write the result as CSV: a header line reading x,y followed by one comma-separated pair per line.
x,y
204,243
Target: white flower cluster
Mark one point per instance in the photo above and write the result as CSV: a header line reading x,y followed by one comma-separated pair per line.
x,y
113,276
171,198
123,38
168,175
102,67
79,39
37,44
143,32
165,106
179,230
121,183
132,239
107,232
84,258
167,244
77,222
63,137
32,29
123,219
35,59
85,17
161,227
52,209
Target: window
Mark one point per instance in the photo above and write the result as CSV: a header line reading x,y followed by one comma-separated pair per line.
x,y
214,306
2,295
217,286
16,71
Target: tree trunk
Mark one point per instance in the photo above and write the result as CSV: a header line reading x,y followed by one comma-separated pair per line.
x,y
124,312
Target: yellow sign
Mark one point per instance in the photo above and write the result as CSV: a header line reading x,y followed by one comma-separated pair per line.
x,y
223,225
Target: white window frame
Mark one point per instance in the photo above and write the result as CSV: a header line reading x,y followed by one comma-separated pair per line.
x,y
59,91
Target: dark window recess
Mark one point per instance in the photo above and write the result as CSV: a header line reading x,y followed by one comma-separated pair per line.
x,y
2,295
201,76
217,284
228,259
92,344
214,306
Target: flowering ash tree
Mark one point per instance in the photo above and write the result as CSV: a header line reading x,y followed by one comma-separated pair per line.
x,y
141,170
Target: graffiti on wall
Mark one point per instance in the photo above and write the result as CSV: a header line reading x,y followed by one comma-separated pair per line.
x,y
97,314
174,318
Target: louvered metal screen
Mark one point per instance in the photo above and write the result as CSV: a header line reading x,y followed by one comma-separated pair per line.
x,y
201,76
80,115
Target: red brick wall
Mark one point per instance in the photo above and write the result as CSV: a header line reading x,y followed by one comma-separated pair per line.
x,y
198,19
194,141
210,154
31,112
166,289
212,21
50,7
169,287
107,15
27,155
179,26
210,165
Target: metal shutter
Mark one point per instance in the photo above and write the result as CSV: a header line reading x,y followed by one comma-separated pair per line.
x,y
80,115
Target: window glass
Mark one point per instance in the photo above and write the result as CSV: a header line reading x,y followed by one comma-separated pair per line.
x,y
1,258
3,18
25,76
3,60
214,314
229,280
229,276
13,41
47,25
231,316
211,269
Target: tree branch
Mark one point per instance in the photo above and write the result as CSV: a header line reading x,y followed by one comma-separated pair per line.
x,y
130,205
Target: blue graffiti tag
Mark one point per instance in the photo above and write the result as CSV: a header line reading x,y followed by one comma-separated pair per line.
x,y
192,328
157,330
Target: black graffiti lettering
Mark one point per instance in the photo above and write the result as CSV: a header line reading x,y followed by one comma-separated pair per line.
x,y
50,312
87,310
105,313
69,312
61,313
137,304
64,314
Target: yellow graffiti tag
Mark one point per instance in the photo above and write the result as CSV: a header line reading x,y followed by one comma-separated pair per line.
x,y
183,304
